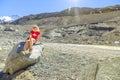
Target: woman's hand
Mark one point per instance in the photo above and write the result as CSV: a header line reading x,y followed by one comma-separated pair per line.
x,y
30,36
39,41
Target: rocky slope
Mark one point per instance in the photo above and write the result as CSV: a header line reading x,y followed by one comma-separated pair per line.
x,y
105,33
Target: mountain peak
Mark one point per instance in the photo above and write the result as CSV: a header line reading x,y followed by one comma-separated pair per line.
x,y
4,19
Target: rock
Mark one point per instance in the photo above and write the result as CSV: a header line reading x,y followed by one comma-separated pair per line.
x,y
116,42
24,76
109,70
2,65
9,29
55,34
26,34
1,28
89,72
17,61
105,70
0,48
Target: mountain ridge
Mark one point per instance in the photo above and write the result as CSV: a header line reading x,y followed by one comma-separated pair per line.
x,y
74,11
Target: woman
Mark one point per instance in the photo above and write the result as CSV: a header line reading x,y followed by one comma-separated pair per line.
x,y
33,37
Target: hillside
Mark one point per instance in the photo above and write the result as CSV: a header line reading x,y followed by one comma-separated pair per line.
x,y
80,14
78,25
61,30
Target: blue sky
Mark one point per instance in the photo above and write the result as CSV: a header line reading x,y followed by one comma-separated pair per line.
x,y
27,7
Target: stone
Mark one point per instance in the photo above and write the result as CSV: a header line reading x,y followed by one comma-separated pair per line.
x,y
116,42
88,72
105,70
1,28
9,29
109,70
17,61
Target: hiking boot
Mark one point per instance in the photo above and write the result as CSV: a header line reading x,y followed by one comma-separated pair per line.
x,y
23,52
30,51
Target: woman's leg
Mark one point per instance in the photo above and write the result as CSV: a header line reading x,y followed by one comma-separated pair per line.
x,y
26,45
32,41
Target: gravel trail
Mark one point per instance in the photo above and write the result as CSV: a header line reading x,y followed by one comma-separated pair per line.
x,y
64,61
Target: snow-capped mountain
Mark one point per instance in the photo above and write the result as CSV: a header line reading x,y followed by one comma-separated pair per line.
x,y
4,19
14,17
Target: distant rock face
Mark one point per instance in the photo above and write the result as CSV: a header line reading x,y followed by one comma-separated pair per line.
x,y
16,60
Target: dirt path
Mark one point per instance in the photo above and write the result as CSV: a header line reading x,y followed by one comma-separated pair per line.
x,y
95,51
64,61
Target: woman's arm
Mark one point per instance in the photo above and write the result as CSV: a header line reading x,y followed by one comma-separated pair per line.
x,y
30,34
38,39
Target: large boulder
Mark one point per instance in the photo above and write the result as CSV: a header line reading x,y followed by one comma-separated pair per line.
x,y
109,70
105,70
17,61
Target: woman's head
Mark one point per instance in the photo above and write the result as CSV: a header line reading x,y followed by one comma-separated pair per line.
x,y
36,28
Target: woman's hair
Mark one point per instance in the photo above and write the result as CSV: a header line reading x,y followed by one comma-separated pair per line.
x,y
36,28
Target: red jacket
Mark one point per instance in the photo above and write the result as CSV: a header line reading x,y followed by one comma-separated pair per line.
x,y
35,34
